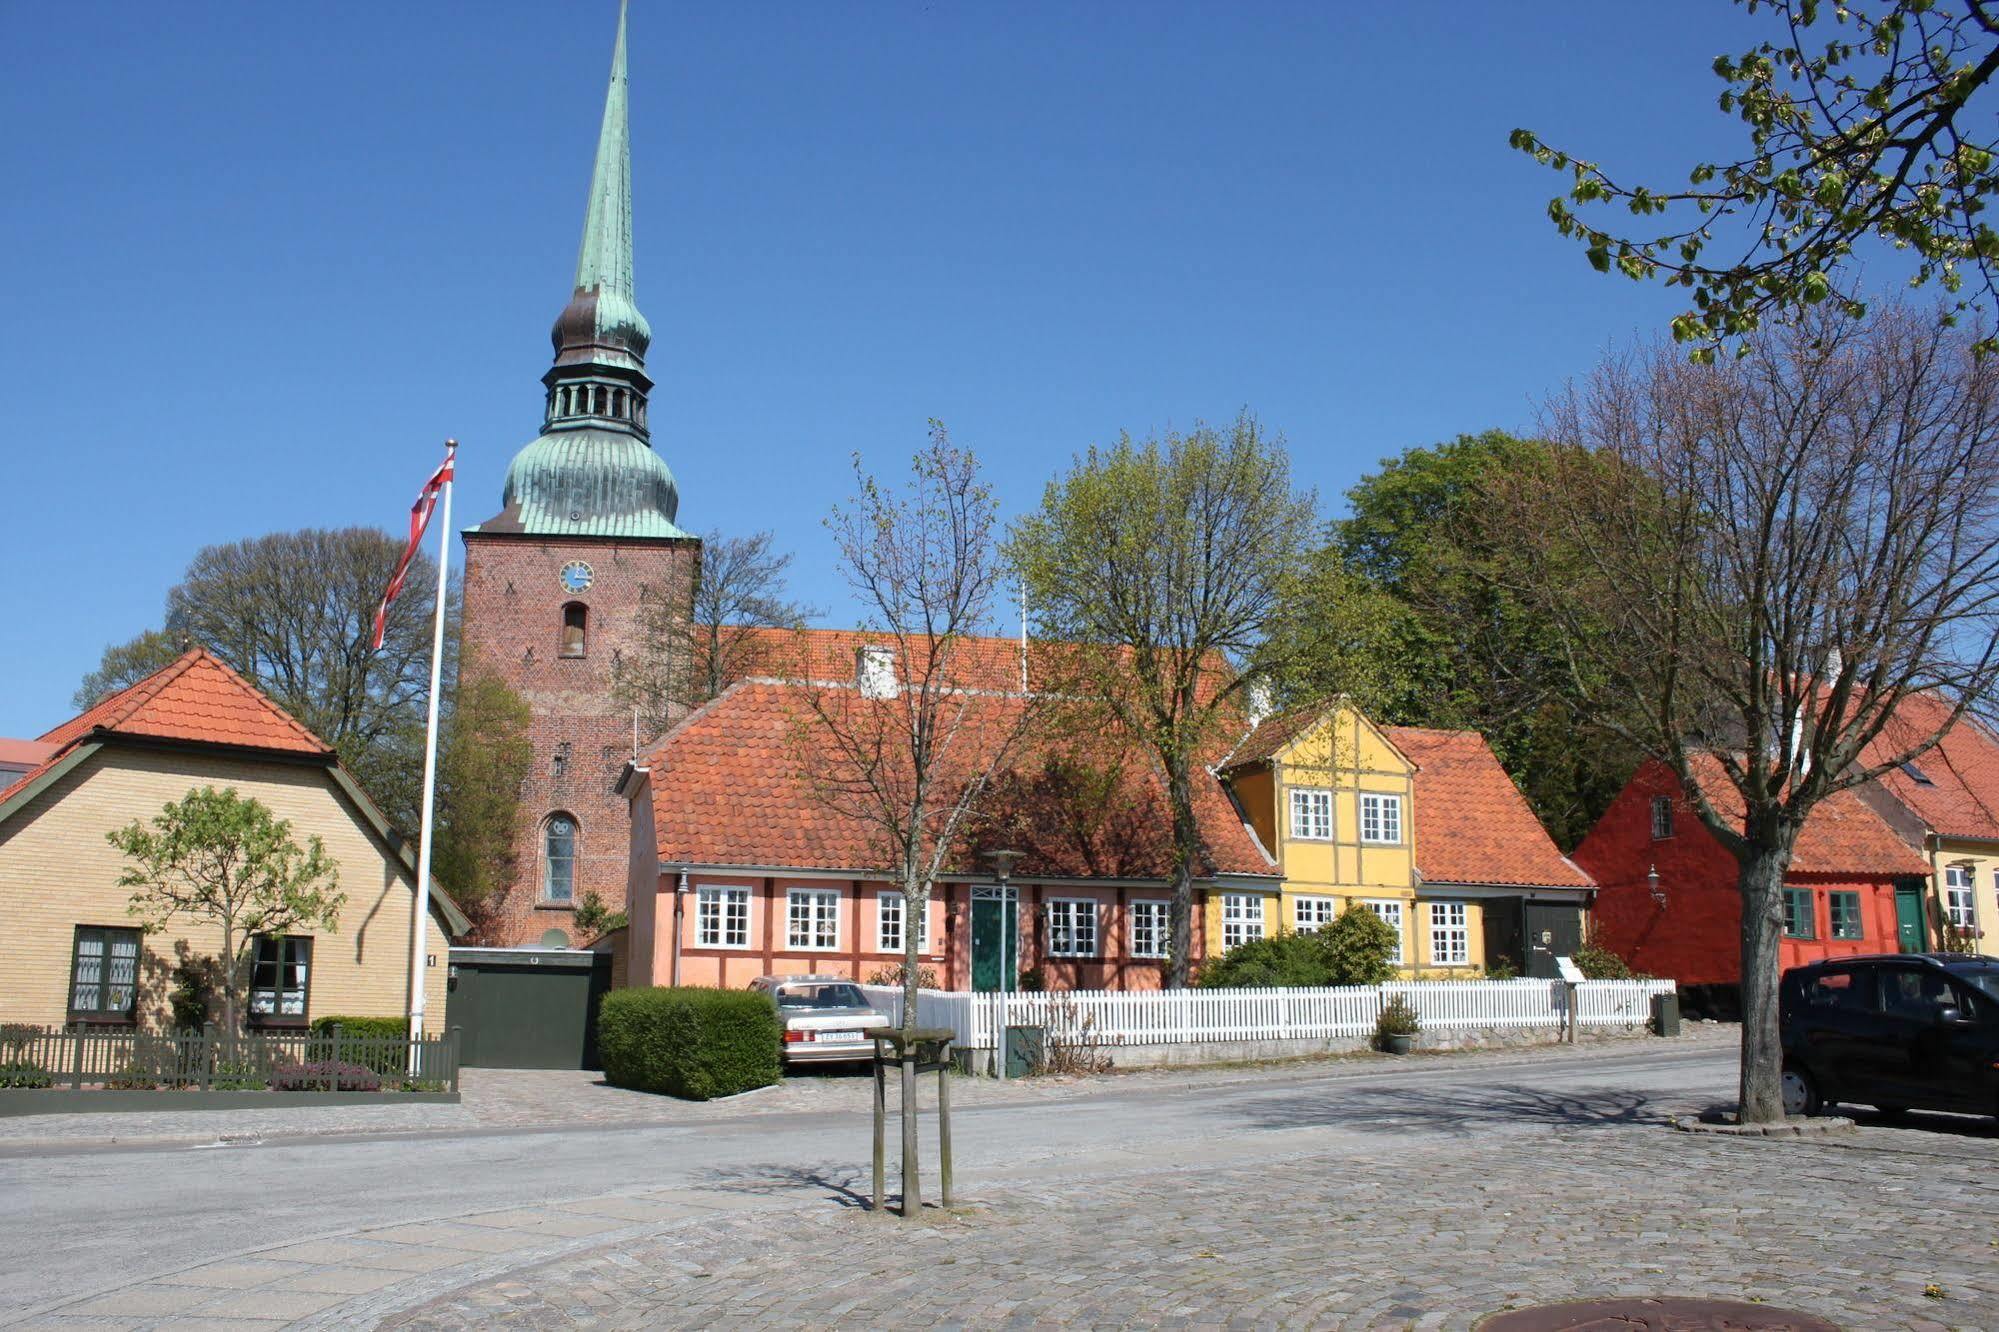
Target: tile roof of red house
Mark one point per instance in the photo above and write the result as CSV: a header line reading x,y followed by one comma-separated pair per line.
x,y
1841,835
730,787
1472,824
1957,792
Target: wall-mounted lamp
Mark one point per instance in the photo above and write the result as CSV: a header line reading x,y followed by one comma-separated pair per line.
x,y
1652,883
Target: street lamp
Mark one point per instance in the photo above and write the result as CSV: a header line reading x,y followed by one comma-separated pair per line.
x,y
1003,863
1652,883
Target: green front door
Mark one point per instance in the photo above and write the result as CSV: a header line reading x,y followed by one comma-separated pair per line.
x,y
1909,931
994,957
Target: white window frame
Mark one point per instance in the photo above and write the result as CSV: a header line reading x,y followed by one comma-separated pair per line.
x,y
1157,916
1311,814
821,908
1311,913
1450,923
1390,910
1241,912
718,908
889,940
1960,897
1072,926
1384,812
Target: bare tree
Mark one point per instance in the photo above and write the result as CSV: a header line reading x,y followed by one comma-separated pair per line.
x,y
910,747
696,642
1783,548
1167,566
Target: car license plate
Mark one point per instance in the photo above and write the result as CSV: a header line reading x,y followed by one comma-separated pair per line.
x,y
842,1036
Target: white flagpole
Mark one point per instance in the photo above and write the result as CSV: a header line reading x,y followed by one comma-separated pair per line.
x,y
420,899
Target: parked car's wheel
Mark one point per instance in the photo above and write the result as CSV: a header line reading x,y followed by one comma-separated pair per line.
x,y
1801,1094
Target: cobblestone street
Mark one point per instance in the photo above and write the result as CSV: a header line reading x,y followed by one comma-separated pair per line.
x,y
1876,1229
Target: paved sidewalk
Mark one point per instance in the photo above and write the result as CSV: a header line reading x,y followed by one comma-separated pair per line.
x,y
529,1099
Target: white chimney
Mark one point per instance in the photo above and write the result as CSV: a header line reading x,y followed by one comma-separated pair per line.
x,y
875,672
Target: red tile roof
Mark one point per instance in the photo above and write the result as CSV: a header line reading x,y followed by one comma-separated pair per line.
x,y
1472,824
1270,736
1960,796
730,787
24,753
1841,835
195,698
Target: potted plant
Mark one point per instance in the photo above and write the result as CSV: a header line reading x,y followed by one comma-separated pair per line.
x,y
1395,1030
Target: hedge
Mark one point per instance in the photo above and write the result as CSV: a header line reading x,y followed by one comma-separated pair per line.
x,y
693,1043
363,1028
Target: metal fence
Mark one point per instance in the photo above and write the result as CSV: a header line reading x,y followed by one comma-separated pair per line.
x,y
296,1060
1167,1017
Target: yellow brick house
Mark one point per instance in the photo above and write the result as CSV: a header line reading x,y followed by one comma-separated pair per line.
x,y
1422,827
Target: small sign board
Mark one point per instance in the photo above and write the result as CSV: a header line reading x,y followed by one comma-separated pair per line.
x,y
1571,973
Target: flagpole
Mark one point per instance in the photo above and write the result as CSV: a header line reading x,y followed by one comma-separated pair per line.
x,y
420,899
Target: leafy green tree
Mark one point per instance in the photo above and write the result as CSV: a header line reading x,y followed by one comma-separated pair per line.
x,y
125,664
1867,120
484,756
1168,564
1359,948
1413,610
225,859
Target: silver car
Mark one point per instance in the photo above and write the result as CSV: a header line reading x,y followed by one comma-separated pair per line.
x,y
823,1017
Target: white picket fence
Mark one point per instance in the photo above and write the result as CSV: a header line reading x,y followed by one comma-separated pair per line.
x,y
1169,1017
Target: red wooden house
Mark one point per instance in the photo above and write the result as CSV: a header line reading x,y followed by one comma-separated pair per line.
x,y
1839,898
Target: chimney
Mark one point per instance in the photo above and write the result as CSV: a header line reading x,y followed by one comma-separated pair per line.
x,y
874,671
1262,702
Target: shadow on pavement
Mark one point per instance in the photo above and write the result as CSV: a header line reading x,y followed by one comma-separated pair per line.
x,y
1454,1111
841,1184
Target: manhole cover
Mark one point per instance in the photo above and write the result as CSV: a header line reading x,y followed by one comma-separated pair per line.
x,y
1656,1315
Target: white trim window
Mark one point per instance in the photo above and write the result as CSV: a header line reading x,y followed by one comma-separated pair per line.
x,y
721,916
1151,927
1242,919
1450,934
1959,904
1072,926
812,919
1380,818
888,924
1662,818
1390,910
1309,915
1311,814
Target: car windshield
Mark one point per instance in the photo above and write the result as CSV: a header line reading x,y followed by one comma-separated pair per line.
x,y
1984,978
820,994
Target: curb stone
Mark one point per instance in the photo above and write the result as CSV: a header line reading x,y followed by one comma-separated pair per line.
x,y
1790,1128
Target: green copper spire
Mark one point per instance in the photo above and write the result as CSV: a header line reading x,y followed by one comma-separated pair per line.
x,y
605,259
593,471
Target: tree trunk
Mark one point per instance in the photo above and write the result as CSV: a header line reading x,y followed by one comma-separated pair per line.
x,y
912,1176
232,981
1760,881
1186,855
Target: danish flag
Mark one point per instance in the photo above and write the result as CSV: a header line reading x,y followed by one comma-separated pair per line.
x,y
426,504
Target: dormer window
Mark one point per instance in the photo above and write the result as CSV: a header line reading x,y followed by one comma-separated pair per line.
x,y
575,629
1916,774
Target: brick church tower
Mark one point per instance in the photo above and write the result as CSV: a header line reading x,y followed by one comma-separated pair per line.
x,y
585,536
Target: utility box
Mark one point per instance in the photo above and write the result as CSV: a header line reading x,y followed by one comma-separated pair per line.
x,y
1026,1050
1666,1014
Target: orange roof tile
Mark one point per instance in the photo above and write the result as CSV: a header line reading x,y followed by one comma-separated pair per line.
x,y
198,699
729,787
1472,824
1954,787
1841,835
1269,737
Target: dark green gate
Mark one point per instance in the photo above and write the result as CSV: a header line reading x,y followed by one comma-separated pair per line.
x,y
527,1007
1551,930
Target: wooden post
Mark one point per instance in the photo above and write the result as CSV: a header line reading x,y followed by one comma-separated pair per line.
x,y
452,1054
881,1130
944,1130
333,1073
76,1063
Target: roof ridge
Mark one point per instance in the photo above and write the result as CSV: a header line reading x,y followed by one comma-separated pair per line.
x,y
265,699
120,704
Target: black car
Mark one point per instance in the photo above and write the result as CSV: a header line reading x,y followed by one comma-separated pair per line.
x,y
1897,1032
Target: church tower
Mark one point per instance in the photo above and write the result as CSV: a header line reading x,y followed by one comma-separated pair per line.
x,y
554,583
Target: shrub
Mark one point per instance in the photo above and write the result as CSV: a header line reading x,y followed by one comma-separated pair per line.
x,y
594,919
1359,948
1032,981
1398,1018
1280,960
926,979
364,1028
1601,964
23,1073
237,1075
693,1043
294,1076
1501,968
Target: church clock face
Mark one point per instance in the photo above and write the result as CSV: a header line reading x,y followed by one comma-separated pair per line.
x,y
577,576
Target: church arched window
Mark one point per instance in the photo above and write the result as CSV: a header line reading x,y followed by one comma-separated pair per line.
x,y
558,859
575,629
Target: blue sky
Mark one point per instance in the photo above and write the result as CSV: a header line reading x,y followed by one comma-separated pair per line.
x,y
263,258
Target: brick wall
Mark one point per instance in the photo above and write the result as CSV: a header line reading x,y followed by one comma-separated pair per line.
x,y
513,624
